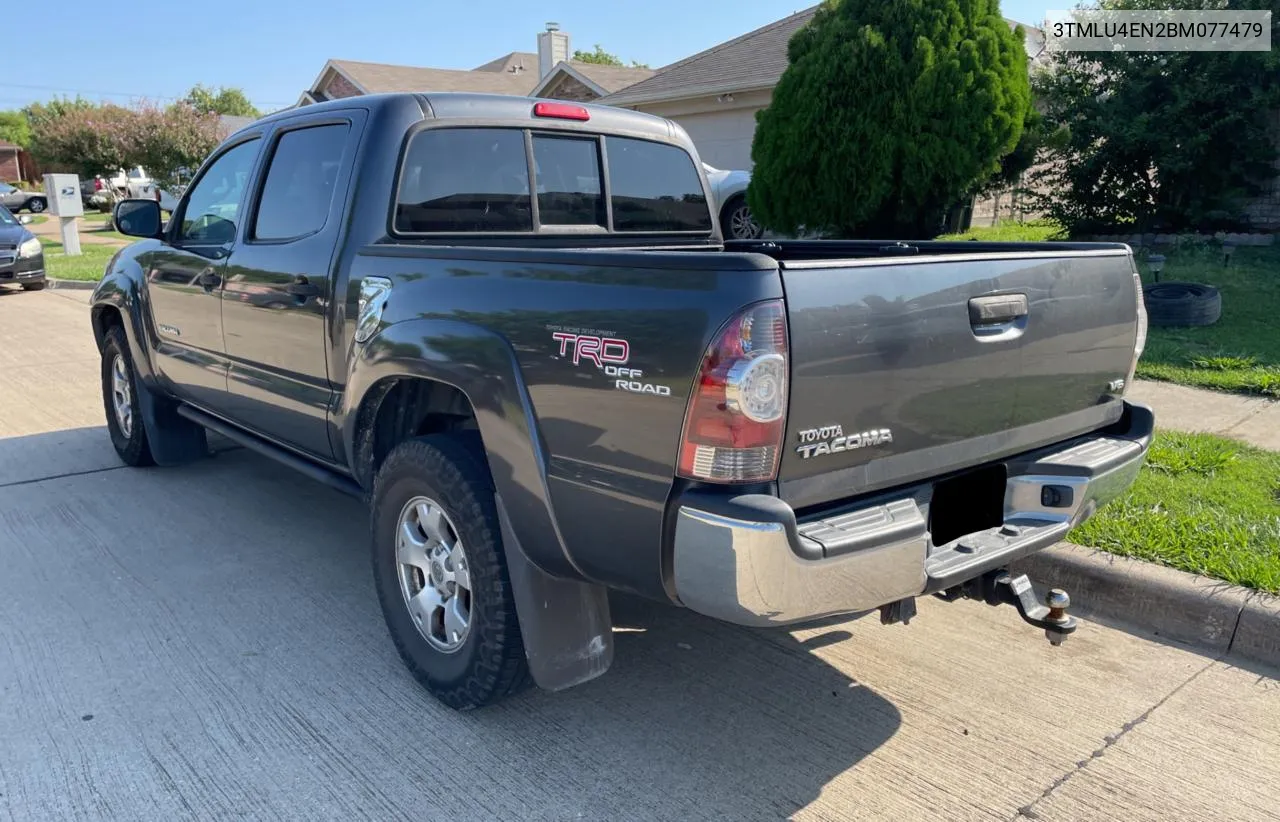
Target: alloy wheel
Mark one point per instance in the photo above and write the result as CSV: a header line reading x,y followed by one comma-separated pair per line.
x,y
435,578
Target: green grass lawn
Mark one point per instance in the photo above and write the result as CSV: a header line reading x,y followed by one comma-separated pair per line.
x,y
37,219
87,266
1202,504
1035,231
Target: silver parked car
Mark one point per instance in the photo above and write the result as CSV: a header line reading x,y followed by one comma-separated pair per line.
x,y
15,199
730,191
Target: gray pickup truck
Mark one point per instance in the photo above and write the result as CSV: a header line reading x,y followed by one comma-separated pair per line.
x,y
513,326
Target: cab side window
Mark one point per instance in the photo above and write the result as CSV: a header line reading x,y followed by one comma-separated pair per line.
x,y
299,188
213,205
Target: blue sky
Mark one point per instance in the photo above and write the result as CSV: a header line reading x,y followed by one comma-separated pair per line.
x,y
273,49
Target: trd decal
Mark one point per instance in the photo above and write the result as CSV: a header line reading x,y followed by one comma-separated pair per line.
x,y
609,354
599,350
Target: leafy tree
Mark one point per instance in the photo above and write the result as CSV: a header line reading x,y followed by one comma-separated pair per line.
x,y
1165,141
90,140
15,129
222,100
603,58
38,113
85,140
172,142
887,114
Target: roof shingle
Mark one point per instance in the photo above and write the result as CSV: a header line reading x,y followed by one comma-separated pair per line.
x,y
754,60
612,78
521,60
379,77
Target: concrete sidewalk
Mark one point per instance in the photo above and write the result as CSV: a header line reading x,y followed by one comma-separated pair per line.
x,y
1255,420
51,230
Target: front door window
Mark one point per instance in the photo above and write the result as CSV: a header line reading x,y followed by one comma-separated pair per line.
x,y
213,206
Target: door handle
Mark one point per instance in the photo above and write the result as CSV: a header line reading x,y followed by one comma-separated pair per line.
x,y
208,280
997,309
302,289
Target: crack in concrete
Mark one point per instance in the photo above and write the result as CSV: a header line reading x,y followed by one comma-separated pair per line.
x,y
61,476
1028,811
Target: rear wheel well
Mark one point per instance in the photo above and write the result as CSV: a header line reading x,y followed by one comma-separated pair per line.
x,y
402,408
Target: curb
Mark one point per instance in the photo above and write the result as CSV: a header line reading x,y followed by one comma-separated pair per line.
x,y
75,285
1213,615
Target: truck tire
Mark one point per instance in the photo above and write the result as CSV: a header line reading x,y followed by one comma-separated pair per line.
x,y
441,573
120,398
1182,304
38,285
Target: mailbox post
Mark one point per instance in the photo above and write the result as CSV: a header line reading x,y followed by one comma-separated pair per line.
x,y
63,194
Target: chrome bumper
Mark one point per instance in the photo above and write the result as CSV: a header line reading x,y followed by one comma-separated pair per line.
x,y
746,560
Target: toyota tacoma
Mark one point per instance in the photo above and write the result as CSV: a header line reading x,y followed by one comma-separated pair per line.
x,y
513,327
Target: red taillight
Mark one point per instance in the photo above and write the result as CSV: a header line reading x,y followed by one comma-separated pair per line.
x,y
562,111
737,413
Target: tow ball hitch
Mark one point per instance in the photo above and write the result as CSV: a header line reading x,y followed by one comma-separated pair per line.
x,y
1002,587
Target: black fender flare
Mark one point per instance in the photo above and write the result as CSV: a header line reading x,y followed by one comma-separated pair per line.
x,y
564,617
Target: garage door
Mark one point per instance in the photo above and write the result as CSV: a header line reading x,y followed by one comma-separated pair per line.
x,y
723,138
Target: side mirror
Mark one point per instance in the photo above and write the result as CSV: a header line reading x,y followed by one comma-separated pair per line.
x,y
138,218
24,219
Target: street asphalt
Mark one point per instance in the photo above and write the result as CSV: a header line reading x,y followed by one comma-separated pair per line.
x,y
204,642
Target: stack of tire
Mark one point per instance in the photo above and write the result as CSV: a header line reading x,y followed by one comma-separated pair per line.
x,y
1182,304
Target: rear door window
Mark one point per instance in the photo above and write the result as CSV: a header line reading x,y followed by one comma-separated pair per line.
x,y
568,174
465,180
654,187
299,188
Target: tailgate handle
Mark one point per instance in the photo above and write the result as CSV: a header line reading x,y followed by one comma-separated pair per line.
x,y
998,309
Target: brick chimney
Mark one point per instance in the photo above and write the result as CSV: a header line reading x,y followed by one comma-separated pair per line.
x,y
553,47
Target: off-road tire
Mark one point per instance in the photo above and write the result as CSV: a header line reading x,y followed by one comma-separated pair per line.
x,y
450,469
133,448
1182,304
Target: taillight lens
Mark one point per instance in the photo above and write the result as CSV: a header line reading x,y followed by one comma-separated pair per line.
x,y
1140,343
734,425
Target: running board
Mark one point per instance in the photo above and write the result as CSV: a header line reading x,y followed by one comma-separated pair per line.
x,y
255,443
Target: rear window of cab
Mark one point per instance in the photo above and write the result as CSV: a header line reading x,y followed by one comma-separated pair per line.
x,y
477,180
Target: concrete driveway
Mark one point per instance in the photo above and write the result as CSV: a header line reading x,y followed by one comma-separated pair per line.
x,y
204,642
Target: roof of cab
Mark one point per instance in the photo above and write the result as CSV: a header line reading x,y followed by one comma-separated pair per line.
x,y
472,106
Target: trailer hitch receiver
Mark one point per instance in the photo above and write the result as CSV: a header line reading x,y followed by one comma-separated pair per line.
x,y
1002,587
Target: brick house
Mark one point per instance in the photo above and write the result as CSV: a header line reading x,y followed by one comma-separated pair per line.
x,y
10,162
547,73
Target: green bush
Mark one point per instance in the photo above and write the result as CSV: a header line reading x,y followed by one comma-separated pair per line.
x,y
887,114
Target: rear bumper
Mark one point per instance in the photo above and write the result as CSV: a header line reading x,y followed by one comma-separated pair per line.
x,y
745,559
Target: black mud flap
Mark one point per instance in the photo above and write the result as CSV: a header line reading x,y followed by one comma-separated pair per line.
x,y
567,629
174,440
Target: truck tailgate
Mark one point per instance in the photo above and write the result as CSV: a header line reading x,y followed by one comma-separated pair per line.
x,y
913,367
